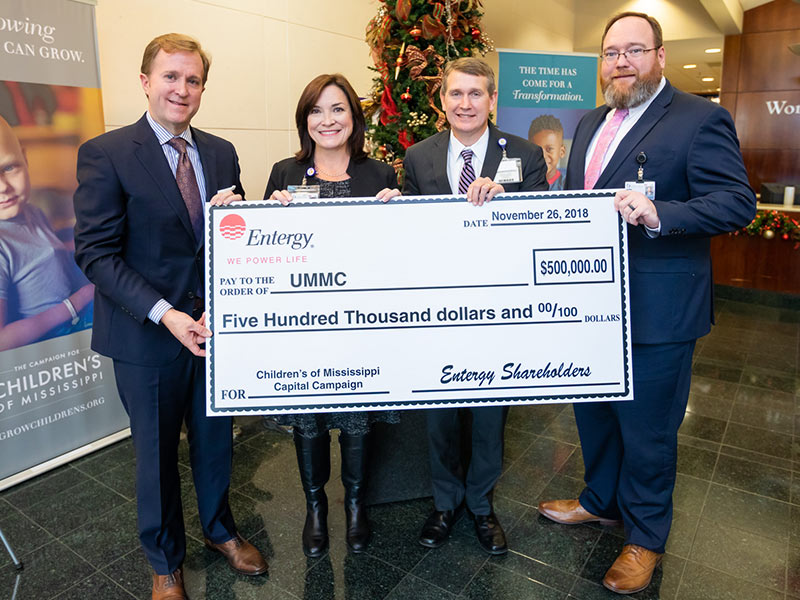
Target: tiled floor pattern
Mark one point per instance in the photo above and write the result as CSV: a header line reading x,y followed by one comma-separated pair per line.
x,y
736,531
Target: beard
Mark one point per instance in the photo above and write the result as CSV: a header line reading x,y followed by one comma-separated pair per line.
x,y
643,88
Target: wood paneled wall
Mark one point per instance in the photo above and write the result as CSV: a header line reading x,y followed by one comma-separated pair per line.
x,y
761,89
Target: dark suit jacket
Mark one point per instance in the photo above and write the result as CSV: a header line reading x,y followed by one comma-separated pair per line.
x,y
426,164
134,240
367,176
701,190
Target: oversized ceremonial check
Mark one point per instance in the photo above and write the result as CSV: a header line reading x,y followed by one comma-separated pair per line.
x,y
419,302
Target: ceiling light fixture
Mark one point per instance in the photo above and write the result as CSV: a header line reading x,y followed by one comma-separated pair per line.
x,y
713,50
707,79
689,66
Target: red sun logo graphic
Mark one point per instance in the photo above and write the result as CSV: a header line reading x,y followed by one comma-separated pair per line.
x,y
232,227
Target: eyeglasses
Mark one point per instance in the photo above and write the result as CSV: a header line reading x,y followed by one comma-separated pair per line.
x,y
612,56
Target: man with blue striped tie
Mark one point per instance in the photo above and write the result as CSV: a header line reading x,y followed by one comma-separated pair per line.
x,y
447,163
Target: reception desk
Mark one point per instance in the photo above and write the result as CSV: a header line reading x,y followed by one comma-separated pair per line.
x,y
758,263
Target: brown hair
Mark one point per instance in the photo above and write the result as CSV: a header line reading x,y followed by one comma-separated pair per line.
x,y
174,42
471,66
307,101
658,36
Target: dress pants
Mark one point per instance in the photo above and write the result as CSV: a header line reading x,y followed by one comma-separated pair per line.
x,y
630,449
158,400
450,488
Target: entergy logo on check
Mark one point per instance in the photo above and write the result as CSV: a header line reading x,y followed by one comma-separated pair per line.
x,y
232,227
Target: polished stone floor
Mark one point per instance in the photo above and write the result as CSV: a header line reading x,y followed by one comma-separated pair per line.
x,y
736,532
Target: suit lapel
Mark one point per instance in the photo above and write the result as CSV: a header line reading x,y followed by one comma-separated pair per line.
x,y
494,155
151,157
439,162
208,158
627,146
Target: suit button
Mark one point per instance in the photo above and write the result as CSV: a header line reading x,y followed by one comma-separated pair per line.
x,y
191,295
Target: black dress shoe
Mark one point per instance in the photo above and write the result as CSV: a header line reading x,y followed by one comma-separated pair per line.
x,y
490,534
437,528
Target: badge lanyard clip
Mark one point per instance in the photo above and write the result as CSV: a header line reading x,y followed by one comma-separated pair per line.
x,y
641,158
310,172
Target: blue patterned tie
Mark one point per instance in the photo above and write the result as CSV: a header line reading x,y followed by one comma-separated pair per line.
x,y
187,184
467,171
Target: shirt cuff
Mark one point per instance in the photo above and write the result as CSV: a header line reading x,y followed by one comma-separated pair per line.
x,y
653,232
159,309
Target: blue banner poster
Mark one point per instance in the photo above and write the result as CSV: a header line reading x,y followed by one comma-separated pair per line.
x,y
542,96
58,399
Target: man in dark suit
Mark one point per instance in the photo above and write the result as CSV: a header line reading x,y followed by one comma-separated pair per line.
x,y
139,239
688,147
447,163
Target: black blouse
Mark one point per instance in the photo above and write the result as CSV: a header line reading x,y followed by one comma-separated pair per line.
x,y
367,176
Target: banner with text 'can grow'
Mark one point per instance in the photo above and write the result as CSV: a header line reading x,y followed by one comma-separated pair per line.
x,y
58,399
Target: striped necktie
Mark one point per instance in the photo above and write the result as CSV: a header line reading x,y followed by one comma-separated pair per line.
x,y
467,171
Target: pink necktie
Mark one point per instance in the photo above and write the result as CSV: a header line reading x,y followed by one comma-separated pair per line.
x,y
603,142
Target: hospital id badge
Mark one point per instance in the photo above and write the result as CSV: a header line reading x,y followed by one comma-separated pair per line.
x,y
303,192
648,188
509,171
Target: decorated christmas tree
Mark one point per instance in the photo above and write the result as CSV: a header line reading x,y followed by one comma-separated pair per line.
x,y
410,41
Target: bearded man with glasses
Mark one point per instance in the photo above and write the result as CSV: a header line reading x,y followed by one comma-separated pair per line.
x,y
696,187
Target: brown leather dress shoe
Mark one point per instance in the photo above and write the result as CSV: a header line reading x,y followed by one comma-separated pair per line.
x,y
242,556
570,512
169,587
632,571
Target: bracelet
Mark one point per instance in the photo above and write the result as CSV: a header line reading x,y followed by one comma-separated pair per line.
x,y
68,303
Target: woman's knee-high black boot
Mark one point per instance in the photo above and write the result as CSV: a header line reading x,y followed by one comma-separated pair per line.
x,y
314,462
354,474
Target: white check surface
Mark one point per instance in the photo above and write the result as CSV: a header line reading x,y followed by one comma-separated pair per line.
x,y
421,302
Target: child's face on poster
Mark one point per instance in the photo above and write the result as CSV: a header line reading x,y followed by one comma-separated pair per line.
x,y
15,184
552,145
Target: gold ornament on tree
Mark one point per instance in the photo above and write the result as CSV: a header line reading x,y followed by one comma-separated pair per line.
x,y
399,61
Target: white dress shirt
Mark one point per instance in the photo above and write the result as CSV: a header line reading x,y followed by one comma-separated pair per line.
x,y
455,162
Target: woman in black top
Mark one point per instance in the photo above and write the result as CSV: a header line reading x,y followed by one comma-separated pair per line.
x,y
331,127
